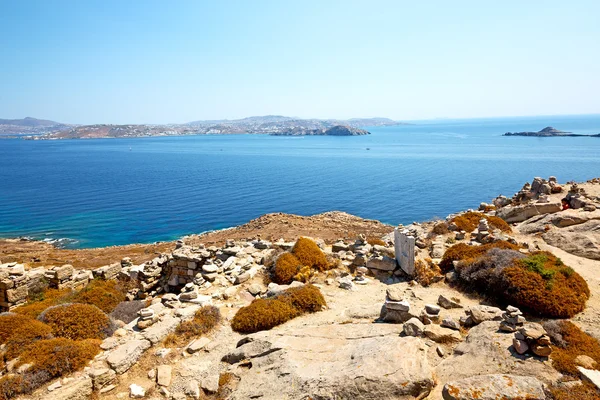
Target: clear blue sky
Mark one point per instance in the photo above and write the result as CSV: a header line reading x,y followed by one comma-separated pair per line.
x,y
107,61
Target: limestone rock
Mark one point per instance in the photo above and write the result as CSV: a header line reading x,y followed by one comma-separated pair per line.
x,y
124,356
493,387
440,334
136,391
447,303
523,212
80,389
197,344
163,375
585,361
413,327
590,375
382,263
161,329
321,362
481,313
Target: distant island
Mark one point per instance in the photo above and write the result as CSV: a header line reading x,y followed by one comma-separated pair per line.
x,y
547,132
35,129
338,130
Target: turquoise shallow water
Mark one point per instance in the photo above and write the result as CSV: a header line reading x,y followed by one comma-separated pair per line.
x,y
99,192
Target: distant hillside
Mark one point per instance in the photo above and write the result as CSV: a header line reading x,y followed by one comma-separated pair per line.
x,y
547,132
28,125
338,130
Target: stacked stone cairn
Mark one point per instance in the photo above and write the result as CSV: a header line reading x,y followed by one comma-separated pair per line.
x,y
146,318
512,319
577,198
532,337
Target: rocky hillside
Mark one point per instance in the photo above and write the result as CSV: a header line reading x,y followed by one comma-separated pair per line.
x,y
481,305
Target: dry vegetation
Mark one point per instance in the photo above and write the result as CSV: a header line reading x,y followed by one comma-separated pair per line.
x,y
77,321
204,321
105,295
427,272
539,283
469,221
301,263
264,314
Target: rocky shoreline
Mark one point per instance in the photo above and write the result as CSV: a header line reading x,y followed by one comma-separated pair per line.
x,y
398,323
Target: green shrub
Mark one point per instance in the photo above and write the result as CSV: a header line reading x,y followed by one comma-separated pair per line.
x,y
77,321
309,254
286,267
105,295
264,314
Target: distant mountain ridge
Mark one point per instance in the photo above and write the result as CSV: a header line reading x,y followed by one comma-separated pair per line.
x,y
548,132
267,124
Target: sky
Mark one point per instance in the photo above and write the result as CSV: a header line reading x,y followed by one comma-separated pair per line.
x,y
149,61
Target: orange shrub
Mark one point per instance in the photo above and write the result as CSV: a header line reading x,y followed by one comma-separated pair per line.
x,y
286,267
57,357
309,254
426,272
10,386
441,228
77,321
469,221
48,298
18,331
105,295
205,319
585,391
543,285
576,342
462,251
264,314
375,241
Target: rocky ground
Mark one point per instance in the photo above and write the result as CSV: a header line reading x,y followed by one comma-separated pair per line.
x,y
380,337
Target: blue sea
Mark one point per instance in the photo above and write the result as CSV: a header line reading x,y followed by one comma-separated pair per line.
x,y
93,193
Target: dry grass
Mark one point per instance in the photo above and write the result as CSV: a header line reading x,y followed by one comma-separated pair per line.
x,y
18,331
105,295
77,321
10,386
204,321
426,272
585,391
309,254
57,357
49,298
286,268
469,221
264,314
375,241
577,343
441,228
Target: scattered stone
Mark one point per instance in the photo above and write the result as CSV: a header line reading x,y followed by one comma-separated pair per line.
x,y
586,362
163,375
192,389
441,335
447,303
592,376
136,391
440,352
54,386
450,323
197,345
124,356
479,314
413,327
432,309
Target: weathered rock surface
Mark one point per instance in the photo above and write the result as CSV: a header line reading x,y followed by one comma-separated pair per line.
x,y
582,240
354,361
124,356
80,389
161,329
493,387
523,212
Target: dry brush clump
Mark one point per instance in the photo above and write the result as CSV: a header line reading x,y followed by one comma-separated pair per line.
x,y
105,295
264,314
570,342
469,221
77,321
204,321
463,251
427,272
127,311
301,263
538,283
43,300
18,331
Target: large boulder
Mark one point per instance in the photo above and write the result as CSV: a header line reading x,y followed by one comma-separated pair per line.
x,y
494,387
523,212
582,240
354,361
161,329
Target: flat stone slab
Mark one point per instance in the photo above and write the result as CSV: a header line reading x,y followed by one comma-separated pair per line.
x,y
493,387
161,329
126,355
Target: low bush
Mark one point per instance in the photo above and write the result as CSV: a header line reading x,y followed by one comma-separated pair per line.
x,y
77,321
57,357
469,221
584,391
264,314
105,295
126,311
539,283
426,272
205,320
10,386
465,252
571,343
17,331
441,228
286,268
309,254
43,300
543,285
